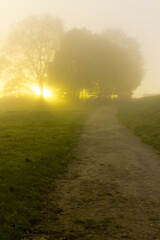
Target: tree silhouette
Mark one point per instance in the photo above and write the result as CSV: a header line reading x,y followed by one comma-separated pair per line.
x,y
31,46
71,68
132,66
94,62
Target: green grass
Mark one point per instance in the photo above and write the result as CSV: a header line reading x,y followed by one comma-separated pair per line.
x,y
35,145
142,116
91,223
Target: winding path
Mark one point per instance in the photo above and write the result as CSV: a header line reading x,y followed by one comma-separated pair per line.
x,y
111,191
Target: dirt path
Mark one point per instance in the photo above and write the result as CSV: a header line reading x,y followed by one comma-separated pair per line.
x,y
111,191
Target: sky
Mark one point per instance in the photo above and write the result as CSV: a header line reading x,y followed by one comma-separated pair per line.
x,y
137,18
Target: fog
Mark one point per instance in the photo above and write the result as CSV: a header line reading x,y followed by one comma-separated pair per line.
x,y
138,19
70,169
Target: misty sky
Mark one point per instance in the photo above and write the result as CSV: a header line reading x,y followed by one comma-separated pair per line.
x,y
137,18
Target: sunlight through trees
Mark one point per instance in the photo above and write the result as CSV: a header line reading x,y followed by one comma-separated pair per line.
x,y
78,63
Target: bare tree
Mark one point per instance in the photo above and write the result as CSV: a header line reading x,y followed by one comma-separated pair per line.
x,y
31,46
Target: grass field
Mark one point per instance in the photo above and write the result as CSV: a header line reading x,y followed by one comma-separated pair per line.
x,y
35,145
142,116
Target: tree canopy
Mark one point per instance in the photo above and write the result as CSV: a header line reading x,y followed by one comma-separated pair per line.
x,y
31,46
39,51
97,63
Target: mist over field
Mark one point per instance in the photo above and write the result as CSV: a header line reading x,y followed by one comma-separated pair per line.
x,y
70,75
136,19
40,58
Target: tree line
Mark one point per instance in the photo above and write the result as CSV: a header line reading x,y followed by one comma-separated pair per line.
x,y
38,50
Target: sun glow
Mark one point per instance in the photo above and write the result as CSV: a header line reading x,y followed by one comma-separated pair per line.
x,y
37,90
46,92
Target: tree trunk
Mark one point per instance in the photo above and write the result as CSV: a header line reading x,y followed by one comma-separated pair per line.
x,y
41,86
